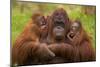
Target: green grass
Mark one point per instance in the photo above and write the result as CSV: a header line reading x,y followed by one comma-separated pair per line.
x,y
18,22
20,19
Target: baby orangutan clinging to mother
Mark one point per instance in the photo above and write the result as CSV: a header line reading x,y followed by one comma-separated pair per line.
x,y
28,49
81,42
73,33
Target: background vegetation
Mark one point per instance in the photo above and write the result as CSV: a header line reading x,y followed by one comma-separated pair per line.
x,y
22,11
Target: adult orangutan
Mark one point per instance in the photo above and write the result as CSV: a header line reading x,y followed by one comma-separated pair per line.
x,y
58,27
27,48
81,42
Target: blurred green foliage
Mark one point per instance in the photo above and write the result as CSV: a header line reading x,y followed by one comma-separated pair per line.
x,y
22,11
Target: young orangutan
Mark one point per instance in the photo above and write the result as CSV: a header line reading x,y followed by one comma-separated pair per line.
x,y
81,42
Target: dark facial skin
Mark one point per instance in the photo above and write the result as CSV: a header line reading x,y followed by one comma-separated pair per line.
x,y
60,16
58,32
59,21
42,24
75,28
